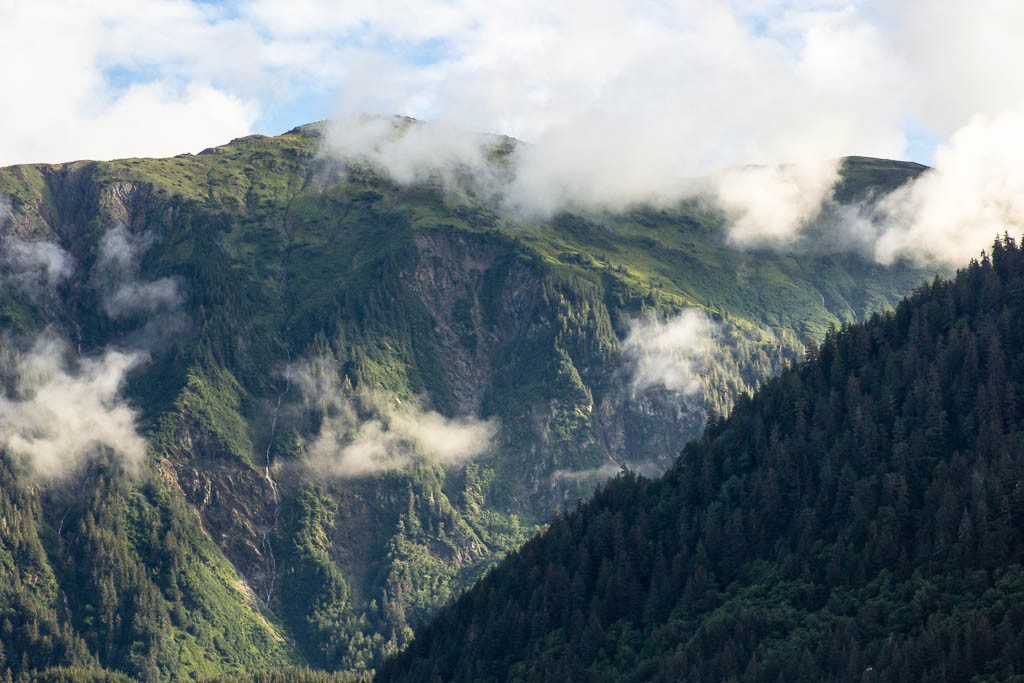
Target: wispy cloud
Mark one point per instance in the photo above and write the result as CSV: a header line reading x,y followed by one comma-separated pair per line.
x,y
60,413
152,306
366,432
670,353
35,268
593,474
61,409
596,475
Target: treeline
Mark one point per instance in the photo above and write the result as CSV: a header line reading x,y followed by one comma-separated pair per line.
x,y
861,518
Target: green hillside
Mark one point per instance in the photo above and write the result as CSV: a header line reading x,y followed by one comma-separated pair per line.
x,y
240,269
857,519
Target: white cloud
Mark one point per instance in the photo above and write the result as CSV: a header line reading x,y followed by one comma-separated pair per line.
x,y
365,433
670,353
451,441
975,192
415,153
962,57
771,204
627,103
152,307
35,267
622,102
61,414
63,103
116,274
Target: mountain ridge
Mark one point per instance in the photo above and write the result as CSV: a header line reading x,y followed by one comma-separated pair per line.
x,y
236,271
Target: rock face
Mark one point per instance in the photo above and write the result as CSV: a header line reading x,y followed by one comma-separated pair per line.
x,y
244,267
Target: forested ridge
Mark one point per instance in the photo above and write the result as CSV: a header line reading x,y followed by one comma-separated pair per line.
x,y
860,518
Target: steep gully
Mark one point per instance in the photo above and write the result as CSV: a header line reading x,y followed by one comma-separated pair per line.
x,y
266,541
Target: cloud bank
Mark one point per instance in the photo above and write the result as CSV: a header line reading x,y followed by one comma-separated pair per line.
x,y
975,192
759,100
619,102
364,433
625,104
59,414
766,205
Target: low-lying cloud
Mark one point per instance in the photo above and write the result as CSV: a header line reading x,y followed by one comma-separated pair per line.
x,y
59,409
58,413
35,267
596,475
670,353
413,153
770,205
945,216
365,432
974,192
592,474
154,306
125,294
767,206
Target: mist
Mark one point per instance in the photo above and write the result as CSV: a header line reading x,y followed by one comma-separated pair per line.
x,y
596,475
593,474
974,193
411,152
670,353
366,432
766,205
770,205
58,413
60,409
151,307
36,268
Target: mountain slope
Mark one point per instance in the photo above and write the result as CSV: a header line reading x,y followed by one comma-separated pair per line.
x,y
265,294
859,518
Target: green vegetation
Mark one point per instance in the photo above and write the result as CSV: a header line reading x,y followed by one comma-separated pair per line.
x,y
296,676
857,519
225,555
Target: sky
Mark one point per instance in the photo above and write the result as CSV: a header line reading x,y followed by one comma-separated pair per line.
x,y
620,101
739,80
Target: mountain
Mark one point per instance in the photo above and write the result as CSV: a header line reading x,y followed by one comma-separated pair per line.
x,y
264,409
858,519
